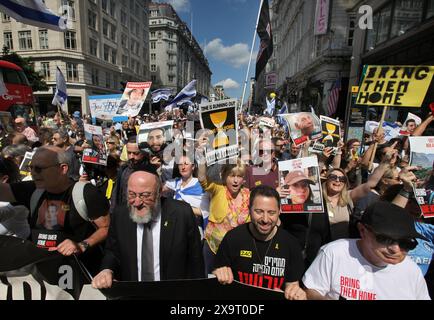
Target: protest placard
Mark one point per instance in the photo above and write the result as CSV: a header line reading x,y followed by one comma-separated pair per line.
x,y
221,119
24,166
300,177
106,107
395,86
303,126
97,153
331,134
133,98
422,156
162,131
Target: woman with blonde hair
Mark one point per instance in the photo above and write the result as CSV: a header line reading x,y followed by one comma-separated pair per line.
x,y
229,204
339,200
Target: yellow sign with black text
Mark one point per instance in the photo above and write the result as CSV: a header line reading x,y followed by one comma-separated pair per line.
x,y
395,86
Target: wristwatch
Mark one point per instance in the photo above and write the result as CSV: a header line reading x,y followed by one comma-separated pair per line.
x,y
84,245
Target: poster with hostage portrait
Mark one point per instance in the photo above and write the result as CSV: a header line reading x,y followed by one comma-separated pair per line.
x,y
331,134
303,126
153,137
422,156
299,179
97,153
220,118
133,98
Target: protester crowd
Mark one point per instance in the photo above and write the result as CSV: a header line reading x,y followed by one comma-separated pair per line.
x,y
146,217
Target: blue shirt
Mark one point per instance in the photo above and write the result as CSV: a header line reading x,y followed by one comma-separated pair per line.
x,y
424,251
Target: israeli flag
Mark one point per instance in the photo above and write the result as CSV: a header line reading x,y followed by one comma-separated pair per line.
x,y
60,96
184,95
280,120
161,94
271,105
33,12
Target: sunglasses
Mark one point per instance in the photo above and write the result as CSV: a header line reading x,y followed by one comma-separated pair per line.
x,y
404,244
334,177
38,169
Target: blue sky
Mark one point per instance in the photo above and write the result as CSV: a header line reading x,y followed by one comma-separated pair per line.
x,y
226,26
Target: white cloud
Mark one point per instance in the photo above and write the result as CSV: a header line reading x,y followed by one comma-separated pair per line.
x,y
178,5
236,55
228,84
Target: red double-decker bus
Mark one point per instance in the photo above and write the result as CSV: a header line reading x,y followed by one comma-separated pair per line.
x,y
16,95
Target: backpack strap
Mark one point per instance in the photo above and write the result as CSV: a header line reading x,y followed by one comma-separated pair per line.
x,y
34,200
78,199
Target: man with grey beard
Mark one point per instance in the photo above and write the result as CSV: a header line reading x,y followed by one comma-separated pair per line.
x,y
151,239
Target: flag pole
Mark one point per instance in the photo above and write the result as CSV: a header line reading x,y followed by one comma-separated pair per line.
x,y
251,54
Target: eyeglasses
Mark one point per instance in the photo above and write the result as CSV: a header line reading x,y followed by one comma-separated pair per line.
x,y
38,169
404,244
110,142
142,196
334,177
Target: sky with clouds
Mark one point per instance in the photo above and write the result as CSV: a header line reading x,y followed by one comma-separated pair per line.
x,y
224,29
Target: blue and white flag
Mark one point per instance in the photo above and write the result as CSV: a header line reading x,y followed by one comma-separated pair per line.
x,y
271,105
33,12
391,130
185,94
60,96
280,120
161,94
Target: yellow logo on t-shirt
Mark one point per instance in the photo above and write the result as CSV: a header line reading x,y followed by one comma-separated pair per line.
x,y
258,183
277,246
246,254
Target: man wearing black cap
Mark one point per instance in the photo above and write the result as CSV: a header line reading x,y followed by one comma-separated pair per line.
x,y
375,267
149,239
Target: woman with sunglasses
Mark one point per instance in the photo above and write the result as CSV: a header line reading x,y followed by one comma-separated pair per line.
x,y
339,200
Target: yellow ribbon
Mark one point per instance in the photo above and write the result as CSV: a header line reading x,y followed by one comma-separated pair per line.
x,y
108,193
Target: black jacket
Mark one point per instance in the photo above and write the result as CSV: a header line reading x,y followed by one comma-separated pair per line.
x,y
180,245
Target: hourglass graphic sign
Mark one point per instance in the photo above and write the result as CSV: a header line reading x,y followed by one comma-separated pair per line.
x,y
219,119
330,132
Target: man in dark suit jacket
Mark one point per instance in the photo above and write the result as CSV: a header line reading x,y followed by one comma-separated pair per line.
x,y
177,250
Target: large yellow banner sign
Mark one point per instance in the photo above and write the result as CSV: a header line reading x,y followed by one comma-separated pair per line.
x,y
395,86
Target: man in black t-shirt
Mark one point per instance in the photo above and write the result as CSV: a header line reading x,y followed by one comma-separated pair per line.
x,y
56,223
260,253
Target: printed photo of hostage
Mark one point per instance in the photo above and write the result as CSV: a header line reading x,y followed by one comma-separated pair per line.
x,y
303,126
133,98
96,152
300,186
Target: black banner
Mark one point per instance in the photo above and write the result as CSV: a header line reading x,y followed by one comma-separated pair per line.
x,y
265,34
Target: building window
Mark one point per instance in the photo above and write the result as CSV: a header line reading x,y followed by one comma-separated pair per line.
x,y
108,80
153,34
171,45
380,31
124,40
430,9
70,40
25,40
93,47
153,45
153,56
105,26
154,78
71,71
8,42
95,76
112,8
43,39
171,78
113,33
106,53
92,19
154,13
124,18
113,55
124,61
6,18
170,35
68,7
104,5
406,15
45,70
350,32
153,68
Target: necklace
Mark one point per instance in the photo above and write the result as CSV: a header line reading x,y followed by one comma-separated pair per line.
x,y
262,266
